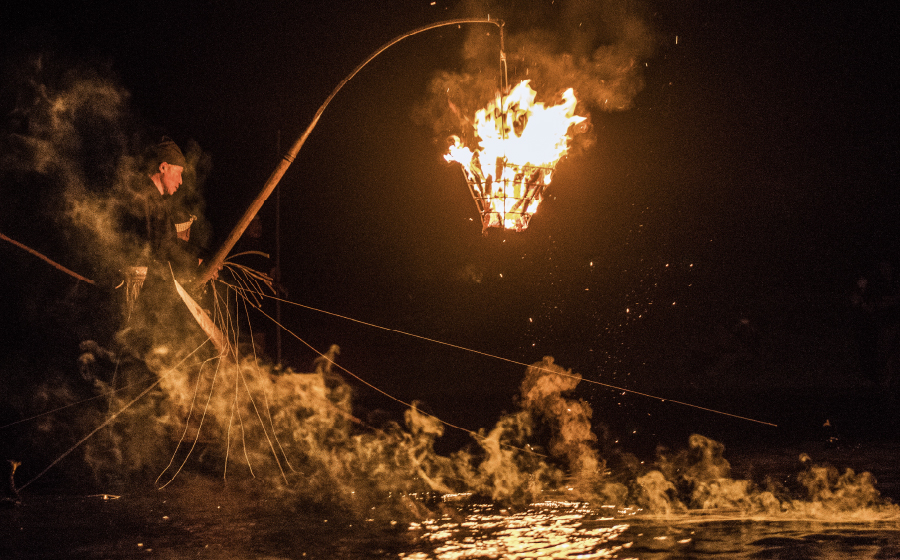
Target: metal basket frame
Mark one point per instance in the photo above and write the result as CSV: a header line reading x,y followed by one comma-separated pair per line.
x,y
523,184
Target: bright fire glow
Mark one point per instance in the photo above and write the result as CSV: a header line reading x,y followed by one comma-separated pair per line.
x,y
518,144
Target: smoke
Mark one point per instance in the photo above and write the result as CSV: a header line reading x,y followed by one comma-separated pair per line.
x,y
300,434
597,48
606,78
72,144
699,478
298,431
570,420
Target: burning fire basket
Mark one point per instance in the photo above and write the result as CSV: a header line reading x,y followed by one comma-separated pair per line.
x,y
509,202
518,144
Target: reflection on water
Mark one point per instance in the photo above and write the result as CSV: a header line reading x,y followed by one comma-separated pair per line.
x,y
544,530
236,524
574,530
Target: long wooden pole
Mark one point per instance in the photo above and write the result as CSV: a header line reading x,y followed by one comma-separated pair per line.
x,y
46,259
215,263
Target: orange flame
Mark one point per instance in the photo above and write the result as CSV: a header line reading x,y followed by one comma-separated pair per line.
x,y
518,144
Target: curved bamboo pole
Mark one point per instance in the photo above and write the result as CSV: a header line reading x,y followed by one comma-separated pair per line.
x,y
218,258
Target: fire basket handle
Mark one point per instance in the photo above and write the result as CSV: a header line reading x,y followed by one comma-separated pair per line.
x,y
215,263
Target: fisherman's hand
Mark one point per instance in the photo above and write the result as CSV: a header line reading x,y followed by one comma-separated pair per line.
x,y
215,273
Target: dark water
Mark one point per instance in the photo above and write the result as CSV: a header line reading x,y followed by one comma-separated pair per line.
x,y
226,526
205,517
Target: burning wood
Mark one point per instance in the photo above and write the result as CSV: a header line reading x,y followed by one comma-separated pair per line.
x,y
517,145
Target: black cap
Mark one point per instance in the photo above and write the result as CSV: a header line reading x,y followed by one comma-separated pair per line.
x,y
166,151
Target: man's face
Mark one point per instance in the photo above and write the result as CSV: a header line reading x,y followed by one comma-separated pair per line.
x,y
170,176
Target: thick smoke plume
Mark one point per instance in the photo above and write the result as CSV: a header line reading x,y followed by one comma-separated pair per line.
x,y
597,48
299,432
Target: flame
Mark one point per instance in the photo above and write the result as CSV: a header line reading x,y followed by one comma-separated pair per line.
x,y
518,144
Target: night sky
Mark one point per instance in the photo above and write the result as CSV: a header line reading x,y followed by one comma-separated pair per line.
x,y
706,242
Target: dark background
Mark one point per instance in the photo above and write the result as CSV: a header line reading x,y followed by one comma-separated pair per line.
x,y
704,249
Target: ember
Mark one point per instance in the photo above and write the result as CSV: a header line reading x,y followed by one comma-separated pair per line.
x,y
518,144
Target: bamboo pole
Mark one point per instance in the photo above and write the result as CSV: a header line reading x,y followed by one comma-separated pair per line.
x,y
51,262
215,263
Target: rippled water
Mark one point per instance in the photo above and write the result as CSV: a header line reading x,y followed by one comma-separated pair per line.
x,y
206,519
554,530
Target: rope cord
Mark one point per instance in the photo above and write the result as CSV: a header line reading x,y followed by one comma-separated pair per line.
x,y
70,405
265,396
393,398
111,418
187,426
494,356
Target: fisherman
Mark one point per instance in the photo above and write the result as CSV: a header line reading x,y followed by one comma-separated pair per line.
x,y
163,230
165,165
